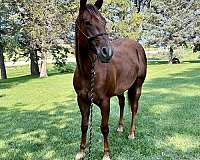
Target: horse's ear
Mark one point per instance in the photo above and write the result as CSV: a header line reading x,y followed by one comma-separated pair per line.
x,y
99,3
82,4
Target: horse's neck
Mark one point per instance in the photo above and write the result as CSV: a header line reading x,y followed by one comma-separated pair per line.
x,y
82,60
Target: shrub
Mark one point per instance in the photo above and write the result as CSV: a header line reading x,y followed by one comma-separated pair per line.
x,y
60,56
66,68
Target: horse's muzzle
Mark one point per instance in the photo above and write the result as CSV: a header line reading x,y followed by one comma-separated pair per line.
x,y
105,54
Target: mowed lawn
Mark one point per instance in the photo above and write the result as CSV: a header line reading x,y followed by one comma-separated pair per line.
x,y
40,119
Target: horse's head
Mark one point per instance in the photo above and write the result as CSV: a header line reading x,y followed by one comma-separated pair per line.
x,y
91,26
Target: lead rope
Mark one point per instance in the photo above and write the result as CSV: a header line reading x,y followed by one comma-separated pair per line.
x,y
93,75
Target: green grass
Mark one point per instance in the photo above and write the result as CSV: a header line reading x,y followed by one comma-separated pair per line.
x,y
182,54
40,119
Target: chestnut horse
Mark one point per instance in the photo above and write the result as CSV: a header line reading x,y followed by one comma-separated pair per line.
x,y
120,65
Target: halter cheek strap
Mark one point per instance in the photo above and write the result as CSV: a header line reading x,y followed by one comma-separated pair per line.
x,y
91,37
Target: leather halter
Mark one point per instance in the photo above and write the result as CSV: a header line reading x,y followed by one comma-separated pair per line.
x,y
90,38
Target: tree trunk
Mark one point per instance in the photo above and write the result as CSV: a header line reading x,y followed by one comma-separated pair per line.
x,y
2,65
171,54
43,66
34,63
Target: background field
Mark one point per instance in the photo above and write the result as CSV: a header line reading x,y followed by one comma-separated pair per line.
x,y
183,54
39,118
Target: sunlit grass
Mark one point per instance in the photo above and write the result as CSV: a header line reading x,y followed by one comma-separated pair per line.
x,y
183,142
39,118
159,109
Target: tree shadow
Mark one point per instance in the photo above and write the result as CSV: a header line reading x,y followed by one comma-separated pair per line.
x,y
168,119
49,134
167,126
188,77
8,83
167,122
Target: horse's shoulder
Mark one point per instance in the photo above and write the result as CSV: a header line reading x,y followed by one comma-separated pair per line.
x,y
79,82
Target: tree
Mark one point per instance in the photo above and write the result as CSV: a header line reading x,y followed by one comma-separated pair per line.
x,y
123,19
2,64
9,32
45,27
35,26
142,4
171,23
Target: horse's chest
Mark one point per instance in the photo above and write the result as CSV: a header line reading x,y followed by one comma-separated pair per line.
x,y
86,92
84,88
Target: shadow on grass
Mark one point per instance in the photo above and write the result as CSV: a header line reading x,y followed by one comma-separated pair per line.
x,y
171,81
167,126
157,61
192,61
167,123
165,130
49,134
10,82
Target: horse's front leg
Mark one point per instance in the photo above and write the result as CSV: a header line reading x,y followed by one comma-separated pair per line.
x,y
84,109
105,111
121,119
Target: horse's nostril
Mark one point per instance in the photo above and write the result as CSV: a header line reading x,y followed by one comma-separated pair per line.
x,y
104,51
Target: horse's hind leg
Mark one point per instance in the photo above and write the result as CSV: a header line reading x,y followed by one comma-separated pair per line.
x,y
121,118
134,94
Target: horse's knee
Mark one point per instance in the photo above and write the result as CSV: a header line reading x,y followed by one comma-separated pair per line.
x,y
138,93
105,130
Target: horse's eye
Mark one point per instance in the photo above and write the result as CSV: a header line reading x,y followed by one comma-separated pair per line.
x,y
87,23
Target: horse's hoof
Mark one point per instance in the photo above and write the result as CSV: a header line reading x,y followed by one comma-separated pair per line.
x,y
120,129
80,156
131,136
106,157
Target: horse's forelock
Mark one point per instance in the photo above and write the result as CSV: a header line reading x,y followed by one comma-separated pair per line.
x,y
94,11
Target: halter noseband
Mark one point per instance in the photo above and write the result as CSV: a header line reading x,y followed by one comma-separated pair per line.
x,y
91,37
